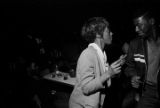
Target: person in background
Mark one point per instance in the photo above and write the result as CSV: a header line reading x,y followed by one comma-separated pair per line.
x,y
92,70
117,91
128,93
122,83
143,61
125,48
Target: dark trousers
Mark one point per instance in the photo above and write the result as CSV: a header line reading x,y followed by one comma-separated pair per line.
x,y
149,98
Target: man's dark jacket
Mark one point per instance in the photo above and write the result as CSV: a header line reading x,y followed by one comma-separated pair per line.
x,y
137,61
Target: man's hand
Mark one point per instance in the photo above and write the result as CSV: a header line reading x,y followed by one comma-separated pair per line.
x,y
135,81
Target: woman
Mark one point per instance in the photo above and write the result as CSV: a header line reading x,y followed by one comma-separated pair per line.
x,y
92,70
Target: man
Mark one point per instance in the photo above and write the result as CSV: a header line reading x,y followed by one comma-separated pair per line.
x,y
143,62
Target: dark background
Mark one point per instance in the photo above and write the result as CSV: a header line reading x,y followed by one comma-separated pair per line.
x,y
59,22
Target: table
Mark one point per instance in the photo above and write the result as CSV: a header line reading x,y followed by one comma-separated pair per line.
x,y
61,89
59,77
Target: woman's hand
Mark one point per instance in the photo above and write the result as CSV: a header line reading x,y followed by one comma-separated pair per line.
x,y
122,59
114,68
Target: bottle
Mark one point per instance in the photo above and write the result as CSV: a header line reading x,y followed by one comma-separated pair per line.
x,y
56,69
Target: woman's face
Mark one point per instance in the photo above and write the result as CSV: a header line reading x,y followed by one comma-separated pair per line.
x,y
107,36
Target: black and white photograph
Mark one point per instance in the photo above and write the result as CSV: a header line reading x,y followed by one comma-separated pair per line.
x,y
80,54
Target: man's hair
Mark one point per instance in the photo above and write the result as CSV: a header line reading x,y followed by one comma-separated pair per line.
x,y
145,13
92,27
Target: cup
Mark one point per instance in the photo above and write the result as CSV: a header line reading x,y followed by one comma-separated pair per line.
x,y
72,73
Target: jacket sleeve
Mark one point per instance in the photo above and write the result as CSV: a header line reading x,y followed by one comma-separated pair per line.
x,y
130,69
89,81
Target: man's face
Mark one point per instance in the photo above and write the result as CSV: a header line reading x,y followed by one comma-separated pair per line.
x,y
142,26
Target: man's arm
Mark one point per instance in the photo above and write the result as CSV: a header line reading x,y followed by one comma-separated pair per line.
x,y
130,69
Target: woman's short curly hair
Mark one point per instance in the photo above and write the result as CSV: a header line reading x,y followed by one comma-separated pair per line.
x,y
94,26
